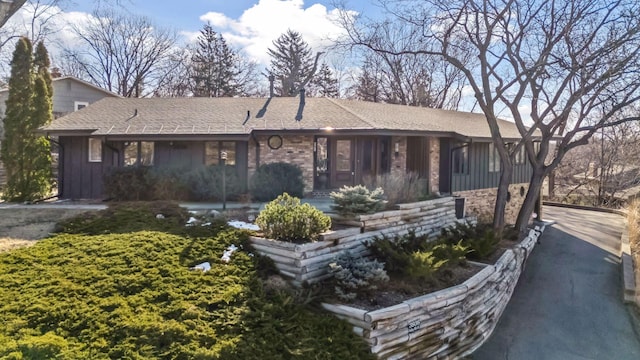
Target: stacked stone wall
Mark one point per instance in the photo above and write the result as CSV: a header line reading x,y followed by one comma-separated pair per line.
x,y
447,324
481,202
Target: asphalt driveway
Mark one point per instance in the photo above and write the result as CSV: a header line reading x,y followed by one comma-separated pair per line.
x,y
568,303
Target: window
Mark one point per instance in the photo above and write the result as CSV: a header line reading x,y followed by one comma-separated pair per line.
x,y
80,105
460,160
213,151
95,150
521,156
138,153
494,159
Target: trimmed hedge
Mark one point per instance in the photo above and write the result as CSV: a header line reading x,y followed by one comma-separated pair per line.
x,y
131,295
142,183
272,180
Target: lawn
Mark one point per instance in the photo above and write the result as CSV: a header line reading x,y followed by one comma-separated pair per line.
x,y
118,285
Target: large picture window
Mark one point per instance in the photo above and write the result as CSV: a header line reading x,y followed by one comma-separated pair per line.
x,y
494,159
139,153
460,160
95,150
213,152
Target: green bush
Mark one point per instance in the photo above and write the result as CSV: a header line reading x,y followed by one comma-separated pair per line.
x,y
353,200
205,183
479,239
286,219
271,180
131,295
168,182
356,277
130,183
417,257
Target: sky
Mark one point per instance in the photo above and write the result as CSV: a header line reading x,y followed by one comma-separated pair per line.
x,y
248,25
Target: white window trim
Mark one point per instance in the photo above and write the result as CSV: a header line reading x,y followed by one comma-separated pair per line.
x,y
78,103
91,158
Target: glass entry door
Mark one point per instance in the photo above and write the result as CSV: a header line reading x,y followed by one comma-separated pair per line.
x,y
342,164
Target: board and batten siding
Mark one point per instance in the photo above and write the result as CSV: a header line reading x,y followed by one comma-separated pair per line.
x,y
81,179
478,175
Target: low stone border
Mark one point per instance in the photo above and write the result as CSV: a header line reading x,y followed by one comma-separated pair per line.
x,y
449,323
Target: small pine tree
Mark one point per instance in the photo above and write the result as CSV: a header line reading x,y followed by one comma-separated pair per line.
x,y
324,84
25,154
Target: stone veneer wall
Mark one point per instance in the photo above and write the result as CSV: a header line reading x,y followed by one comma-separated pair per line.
x,y
434,165
481,202
447,324
398,163
309,262
296,150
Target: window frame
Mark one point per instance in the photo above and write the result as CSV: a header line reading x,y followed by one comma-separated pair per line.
x,y
91,158
493,163
463,167
138,150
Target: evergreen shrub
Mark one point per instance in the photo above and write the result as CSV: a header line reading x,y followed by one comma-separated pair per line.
x,y
129,183
205,183
271,180
131,295
480,238
353,200
356,276
286,219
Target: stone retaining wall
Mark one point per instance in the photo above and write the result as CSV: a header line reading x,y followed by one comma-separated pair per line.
x,y
309,262
450,323
481,202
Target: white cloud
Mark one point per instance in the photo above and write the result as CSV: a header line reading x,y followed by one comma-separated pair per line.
x,y
256,29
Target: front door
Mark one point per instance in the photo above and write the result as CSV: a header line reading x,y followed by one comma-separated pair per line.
x,y
342,164
366,160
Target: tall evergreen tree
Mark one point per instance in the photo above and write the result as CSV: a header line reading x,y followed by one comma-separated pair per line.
x,y
215,66
324,84
292,63
25,154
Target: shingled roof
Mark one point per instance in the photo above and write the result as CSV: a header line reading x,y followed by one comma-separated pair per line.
x,y
241,116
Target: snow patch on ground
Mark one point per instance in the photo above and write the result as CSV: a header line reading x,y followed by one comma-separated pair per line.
x,y
243,225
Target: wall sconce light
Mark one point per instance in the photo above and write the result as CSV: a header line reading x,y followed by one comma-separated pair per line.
x,y
397,149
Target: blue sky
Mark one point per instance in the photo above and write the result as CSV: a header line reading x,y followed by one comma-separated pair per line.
x,y
247,25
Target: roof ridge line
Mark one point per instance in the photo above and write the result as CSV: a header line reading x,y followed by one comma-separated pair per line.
x,y
350,112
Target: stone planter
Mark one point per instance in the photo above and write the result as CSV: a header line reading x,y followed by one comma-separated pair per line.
x,y
450,323
309,263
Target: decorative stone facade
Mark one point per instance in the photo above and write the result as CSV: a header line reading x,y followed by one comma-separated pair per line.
x,y
399,158
481,202
296,150
447,324
434,165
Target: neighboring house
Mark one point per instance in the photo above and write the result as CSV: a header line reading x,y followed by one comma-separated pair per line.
x,y
335,142
69,94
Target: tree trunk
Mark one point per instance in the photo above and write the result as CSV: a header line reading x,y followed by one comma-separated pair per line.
x,y
501,198
529,204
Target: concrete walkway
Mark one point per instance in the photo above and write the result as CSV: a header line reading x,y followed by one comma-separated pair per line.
x,y
568,303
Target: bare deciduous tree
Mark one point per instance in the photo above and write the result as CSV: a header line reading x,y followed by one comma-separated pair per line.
x,y
125,54
572,64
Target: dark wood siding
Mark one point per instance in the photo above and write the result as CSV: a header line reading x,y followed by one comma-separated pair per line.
x,y
78,178
179,153
478,175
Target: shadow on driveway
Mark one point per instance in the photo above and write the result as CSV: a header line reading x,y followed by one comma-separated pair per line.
x,y
568,303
